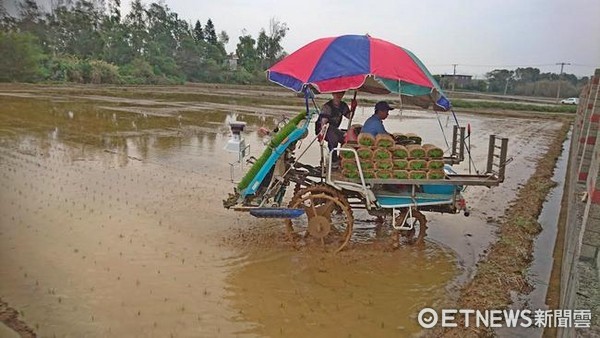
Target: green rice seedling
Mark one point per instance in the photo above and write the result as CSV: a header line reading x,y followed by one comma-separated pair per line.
x,y
366,165
383,174
435,164
436,175
384,165
365,153
432,151
382,154
400,174
417,164
399,151
417,174
400,164
366,139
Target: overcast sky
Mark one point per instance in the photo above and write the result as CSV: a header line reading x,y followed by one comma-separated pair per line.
x,y
477,35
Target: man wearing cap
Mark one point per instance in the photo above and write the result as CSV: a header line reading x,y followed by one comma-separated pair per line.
x,y
374,124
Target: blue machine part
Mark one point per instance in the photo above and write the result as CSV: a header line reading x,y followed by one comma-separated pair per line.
x,y
277,152
432,194
406,201
446,189
276,212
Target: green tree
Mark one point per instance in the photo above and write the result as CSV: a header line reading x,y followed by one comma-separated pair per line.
x,y
91,41
246,53
223,38
269,45
239,76
214,49
198,32
21,58
572,79
476,85
212,71
167,32
135,21
75,29
222,41
115,36
30,17
64,68
499,80
209,33
103,72
189,59
548,76
139,71
7,22
215,53
526,75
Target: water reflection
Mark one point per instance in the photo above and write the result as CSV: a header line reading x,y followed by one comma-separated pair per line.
x,y
138,134
311,294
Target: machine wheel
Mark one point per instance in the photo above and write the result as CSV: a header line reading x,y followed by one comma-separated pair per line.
x,y
419,226
327,220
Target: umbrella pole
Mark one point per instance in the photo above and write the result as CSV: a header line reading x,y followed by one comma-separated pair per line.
x,y
400,97
352,111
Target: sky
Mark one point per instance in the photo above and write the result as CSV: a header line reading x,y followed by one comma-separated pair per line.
x,y
475,35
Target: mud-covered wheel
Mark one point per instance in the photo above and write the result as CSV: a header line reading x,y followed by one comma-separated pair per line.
x,y
297,188
327,220
419,226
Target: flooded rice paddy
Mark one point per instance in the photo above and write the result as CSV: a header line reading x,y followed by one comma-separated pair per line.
x,y
111,221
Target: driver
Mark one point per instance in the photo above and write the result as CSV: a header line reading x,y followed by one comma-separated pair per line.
x,y
332,113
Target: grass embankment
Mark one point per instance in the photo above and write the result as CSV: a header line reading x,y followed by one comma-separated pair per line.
x,y
505,267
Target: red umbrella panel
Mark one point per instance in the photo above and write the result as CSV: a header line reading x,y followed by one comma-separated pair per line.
x,y
358,62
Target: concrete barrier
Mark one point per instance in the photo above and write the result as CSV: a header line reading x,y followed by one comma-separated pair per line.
x,y
582,233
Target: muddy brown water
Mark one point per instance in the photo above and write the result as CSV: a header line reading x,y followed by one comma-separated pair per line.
x,y
111,223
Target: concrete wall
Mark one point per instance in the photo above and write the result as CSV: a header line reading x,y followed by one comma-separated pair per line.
x,y
582,239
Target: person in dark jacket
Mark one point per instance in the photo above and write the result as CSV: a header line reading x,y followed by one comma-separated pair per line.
x,y
332,113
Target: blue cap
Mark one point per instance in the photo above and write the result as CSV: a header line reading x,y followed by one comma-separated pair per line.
x,y
382,106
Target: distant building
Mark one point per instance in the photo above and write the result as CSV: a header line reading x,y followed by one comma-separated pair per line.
x,y
459,81
232,61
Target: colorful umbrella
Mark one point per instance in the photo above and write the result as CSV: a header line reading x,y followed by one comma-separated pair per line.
x,y
358,62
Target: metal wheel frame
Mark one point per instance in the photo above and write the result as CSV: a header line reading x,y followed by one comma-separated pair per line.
x,y
404,218
320,202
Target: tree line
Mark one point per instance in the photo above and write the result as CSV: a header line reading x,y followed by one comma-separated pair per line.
x,y
90,41
527,81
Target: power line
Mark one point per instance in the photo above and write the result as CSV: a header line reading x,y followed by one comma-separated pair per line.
x,y
470,65
580,65
510,66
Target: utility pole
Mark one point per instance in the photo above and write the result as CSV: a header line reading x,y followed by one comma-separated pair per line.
x,y
562,64
454,75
